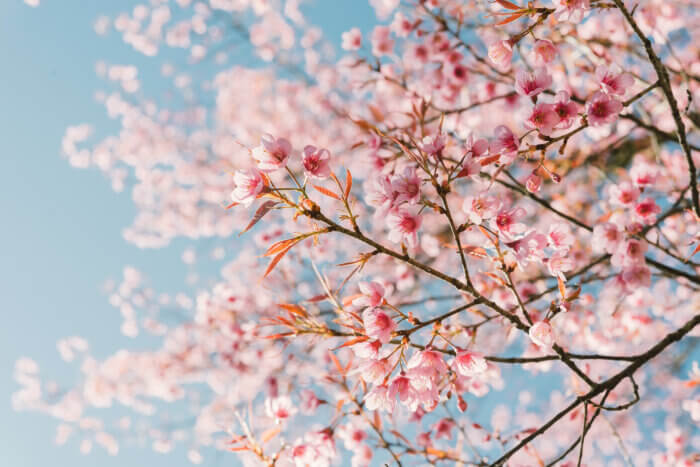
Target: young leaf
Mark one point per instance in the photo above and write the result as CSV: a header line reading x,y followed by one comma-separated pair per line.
x,y
259,214
348,183
326,192
508,5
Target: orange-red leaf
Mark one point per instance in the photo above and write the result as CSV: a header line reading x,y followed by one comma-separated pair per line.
x,y
326,192
509,19
269,434
259,214
277,259
508,5
293,308
357,340
348,183
484,161
562,287
697,248
337,364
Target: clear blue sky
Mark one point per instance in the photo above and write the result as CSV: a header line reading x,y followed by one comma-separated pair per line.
x,y
61,234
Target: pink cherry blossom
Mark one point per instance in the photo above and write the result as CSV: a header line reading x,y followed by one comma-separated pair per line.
x,y
544,51
613,83
469,363
606,237
543,118
566,109
372,294
280,408
403,225
542,335
315,162
382,43
505,141
272,154
249,183
501,53
602,109
352,39
379,399
506,221
378,325
646,210
481,208
624,194
532,83
571,10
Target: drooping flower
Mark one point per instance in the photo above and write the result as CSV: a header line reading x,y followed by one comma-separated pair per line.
x,y
505,142
545,52
403,225
571,10
469,363
602,109
249,183
542,334
443,428
378,399
372,294
272,154
532,83
501,53
378,325
427,364
315,162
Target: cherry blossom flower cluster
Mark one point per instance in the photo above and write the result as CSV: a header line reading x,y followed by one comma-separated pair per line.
x,y
469,237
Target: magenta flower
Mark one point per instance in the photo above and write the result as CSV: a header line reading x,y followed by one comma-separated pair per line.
x,y
646,210
315,162
601,109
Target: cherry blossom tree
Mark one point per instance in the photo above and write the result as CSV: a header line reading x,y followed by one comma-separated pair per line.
x,y
469,236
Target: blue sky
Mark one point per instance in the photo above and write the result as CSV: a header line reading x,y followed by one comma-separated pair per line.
x,y
61,238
